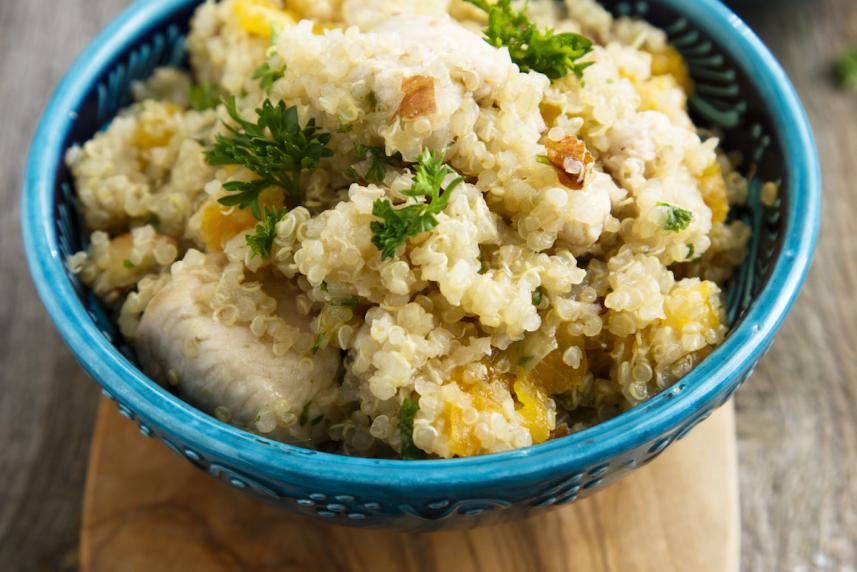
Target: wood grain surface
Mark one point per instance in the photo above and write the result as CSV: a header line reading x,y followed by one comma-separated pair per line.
x,y
147,509
797,418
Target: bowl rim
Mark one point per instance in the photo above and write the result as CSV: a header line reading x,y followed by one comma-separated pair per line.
x,y
626,432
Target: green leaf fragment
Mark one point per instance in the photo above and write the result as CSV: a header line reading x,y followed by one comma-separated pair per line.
x,y
268,75
407,414
319,339
541,50
538,296
261,241
203,96
677,218
395,226
846,69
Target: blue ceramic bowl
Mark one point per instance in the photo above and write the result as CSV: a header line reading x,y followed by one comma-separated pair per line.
x,y
741,90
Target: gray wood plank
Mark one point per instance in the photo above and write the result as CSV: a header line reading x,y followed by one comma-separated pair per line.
x,y
797,418
46,401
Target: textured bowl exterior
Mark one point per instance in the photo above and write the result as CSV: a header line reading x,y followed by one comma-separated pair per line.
x,y
741,90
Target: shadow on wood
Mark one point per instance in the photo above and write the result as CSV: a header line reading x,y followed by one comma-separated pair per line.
x,y
146,509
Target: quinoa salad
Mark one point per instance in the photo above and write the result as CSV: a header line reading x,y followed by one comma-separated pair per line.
x,y
413,228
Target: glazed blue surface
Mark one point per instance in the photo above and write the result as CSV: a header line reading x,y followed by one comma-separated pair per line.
x,y
743,91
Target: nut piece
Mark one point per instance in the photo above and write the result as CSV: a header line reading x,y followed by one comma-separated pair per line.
x,y
571,158
419,97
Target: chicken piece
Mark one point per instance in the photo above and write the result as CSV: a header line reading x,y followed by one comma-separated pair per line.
x,y
227,371
589,211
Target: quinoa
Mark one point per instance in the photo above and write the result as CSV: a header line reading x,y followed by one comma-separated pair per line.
x,y
551,293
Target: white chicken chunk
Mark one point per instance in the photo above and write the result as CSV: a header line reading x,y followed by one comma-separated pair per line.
x,y
228,371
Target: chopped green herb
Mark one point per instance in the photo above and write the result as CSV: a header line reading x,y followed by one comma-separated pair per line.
x,y
344,127
846,69
323,286
319,339
397,225
262,240
677,218
349,303
407,414
372,100
545,51
304,416
377,169
268,74
276,148
543,159
690,250
246,195
128,264
538,296
483,266
204,96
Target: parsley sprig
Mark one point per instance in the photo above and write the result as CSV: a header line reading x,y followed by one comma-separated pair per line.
x,y
397,225
677,218
276,148
261,242
545,51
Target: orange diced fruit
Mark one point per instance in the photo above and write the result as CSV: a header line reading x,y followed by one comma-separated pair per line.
x,y
693,302
534,409
669,61
153,129
553,376
261,17
220,224
712,184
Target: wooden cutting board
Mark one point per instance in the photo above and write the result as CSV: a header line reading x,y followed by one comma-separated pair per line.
x,y
148,510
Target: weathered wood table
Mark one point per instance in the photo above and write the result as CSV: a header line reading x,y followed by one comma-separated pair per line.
x,y
797,418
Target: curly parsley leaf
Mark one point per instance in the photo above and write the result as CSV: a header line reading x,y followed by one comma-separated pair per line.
x,y
267,74
397,225
407,414
261,242
276,148
677,219
246,195
378,165
544,51
203,96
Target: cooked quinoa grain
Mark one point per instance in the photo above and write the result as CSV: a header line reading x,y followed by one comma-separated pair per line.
x,y
555,249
